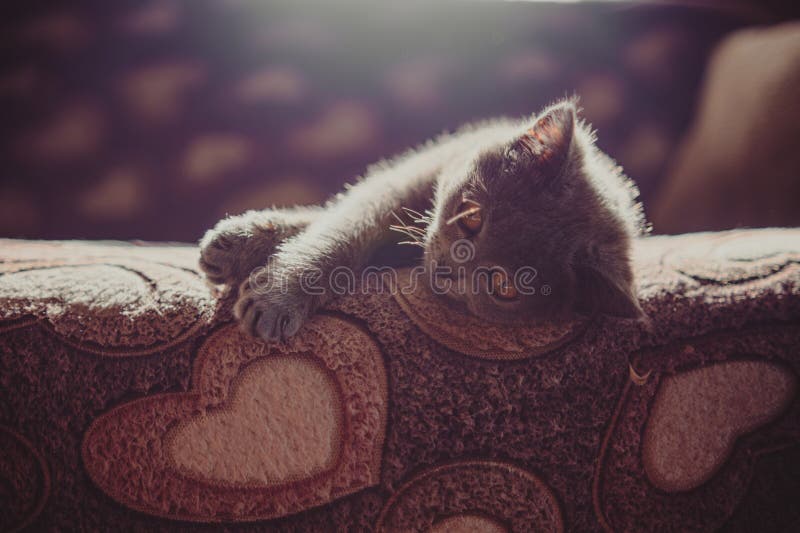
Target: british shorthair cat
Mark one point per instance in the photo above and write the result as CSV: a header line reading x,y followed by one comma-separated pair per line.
x,y
518,219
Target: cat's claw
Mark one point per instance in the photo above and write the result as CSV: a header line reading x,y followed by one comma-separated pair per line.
x,y
272,315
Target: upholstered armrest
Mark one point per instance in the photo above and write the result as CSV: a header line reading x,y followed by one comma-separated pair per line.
x,y
130,400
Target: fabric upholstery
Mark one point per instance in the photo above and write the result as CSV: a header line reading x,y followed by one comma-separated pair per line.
x,y
130,400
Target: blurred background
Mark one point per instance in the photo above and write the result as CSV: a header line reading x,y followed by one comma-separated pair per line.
x,y
153,119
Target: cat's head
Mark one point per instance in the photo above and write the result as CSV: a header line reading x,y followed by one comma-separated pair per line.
x,y
532,220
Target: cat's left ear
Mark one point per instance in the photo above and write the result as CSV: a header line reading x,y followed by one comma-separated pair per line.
x,y
549,139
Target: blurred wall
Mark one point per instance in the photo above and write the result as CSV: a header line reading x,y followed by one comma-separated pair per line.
x,y
739,163
153,119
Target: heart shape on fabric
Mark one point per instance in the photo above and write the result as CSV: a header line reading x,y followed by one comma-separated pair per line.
x,y
267,430
282,423
698,415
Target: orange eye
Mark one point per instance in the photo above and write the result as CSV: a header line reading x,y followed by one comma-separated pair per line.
x,y
503,287
470,216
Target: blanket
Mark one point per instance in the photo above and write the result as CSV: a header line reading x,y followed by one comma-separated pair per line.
x,y
131,400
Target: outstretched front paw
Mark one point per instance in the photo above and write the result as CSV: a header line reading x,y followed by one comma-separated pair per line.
x,y
272,313
234,247
218,251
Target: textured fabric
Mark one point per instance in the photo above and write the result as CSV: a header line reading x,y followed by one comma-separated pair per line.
x,y
129,400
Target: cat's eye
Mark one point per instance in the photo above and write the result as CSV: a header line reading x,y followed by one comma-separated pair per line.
x,y
502,286
469,216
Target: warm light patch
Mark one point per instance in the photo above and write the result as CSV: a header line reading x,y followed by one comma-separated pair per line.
x,y
154,93
277,85
212,155
120,194
284,191
343,129
74,131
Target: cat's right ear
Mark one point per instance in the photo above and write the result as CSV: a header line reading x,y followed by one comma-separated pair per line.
x,y
547,142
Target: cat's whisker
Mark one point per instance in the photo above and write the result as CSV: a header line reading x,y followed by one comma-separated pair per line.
x,y
404,231
399,220
415,233
417,217
414,229
411,212
465,213
401,229
413,243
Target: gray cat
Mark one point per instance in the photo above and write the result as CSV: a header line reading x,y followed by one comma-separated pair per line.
x,y
532,195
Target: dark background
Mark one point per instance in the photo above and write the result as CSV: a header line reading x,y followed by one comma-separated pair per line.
x,y
154,119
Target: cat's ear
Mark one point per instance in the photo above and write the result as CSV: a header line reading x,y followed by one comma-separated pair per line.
x,y
549,139
606,292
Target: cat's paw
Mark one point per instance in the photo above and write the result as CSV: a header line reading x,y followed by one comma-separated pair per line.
x,y
234,247
272,313
218,250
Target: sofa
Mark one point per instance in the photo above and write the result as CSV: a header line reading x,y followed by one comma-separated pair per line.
x,y
131,401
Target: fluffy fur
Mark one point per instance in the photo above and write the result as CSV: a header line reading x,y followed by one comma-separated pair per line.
x,y
548,201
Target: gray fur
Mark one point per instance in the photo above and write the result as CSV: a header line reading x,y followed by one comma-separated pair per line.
x,y
563,208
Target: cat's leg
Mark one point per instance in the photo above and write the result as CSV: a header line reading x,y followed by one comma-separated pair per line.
x,y
352,228
237,245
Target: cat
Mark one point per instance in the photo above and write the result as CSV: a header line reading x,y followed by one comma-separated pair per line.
x,y
533,194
